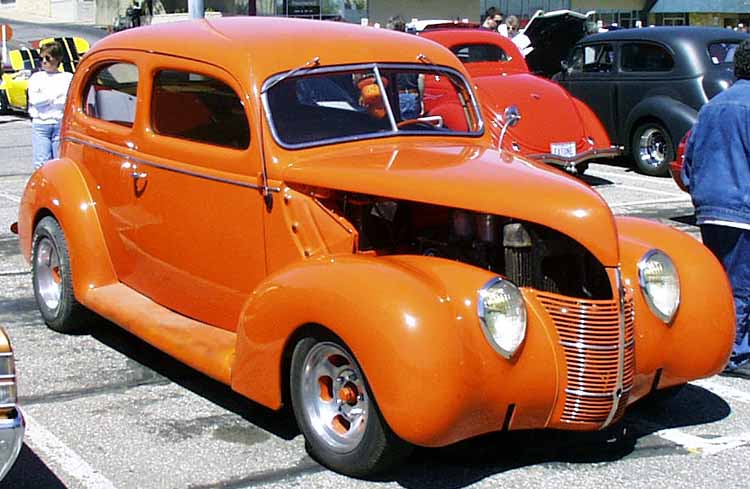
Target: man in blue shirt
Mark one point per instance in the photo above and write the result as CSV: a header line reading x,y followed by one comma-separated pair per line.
x,y
716,171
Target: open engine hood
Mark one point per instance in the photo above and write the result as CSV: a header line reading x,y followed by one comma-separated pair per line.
x,y
552,36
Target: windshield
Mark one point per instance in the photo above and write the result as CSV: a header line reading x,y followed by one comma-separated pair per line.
x,y
326,105
722,52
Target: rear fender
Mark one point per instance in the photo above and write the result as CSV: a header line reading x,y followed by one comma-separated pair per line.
x,y
59,189
698,342
676,117
592,124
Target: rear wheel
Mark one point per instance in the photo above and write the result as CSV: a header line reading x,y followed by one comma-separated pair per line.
x,y
53,284
340,420
4,104
652,149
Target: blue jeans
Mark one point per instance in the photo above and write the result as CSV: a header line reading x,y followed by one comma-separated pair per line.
x,y
45,142
732,247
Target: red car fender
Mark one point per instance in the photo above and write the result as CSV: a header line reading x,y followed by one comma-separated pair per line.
x,y
594,127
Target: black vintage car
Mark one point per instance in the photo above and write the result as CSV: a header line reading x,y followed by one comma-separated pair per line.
x,y
647,85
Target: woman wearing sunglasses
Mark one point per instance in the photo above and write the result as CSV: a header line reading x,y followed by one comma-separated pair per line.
x,y
48,89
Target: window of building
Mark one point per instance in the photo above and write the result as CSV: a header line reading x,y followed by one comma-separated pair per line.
x,y
646,57
200,108
111,94
473,53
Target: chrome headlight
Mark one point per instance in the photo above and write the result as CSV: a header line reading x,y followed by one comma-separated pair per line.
x,y
502,311
660,284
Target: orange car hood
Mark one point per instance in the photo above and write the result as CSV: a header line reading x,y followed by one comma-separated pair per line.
x,y
467,177
548,114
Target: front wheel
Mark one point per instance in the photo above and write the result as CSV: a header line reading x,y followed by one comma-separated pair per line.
x,y
53,284
652,149
338,417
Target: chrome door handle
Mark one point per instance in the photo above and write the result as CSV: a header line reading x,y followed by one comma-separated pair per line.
x,y
137,175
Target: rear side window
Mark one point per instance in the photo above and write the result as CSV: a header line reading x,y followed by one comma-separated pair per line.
x,y
473,53
111,94
722,52
199,108
646,57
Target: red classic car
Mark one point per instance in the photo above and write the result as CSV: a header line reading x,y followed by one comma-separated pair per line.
x,y
675,167
555,127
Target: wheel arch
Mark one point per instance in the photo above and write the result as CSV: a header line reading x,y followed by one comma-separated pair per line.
x,y
677,118
59,190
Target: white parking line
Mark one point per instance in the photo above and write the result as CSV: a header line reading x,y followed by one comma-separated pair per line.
x,y
723,391
596,172
652,201
703,446
53,449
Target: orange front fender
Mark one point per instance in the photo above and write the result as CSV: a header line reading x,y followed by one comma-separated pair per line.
x,y
59,189
411,322
698,342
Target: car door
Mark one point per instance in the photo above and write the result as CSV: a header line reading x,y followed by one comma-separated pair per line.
x,y
101,133
200,238
589,76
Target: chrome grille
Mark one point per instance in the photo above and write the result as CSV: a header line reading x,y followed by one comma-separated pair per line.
x,y
589,332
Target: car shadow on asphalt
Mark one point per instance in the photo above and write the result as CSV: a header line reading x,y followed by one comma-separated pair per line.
x,y
471,461
279,423
30,471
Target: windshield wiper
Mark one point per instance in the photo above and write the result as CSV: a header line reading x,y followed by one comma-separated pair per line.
x,y
310,64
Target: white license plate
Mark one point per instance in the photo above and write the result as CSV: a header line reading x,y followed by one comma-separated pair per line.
x,y
563,149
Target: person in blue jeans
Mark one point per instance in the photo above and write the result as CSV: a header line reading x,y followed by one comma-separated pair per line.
x,y
48,89
716,171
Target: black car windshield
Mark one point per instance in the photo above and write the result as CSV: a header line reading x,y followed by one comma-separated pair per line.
x,y
722,52
329,105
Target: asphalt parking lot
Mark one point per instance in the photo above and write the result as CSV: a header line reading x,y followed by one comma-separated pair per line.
x,y
105,410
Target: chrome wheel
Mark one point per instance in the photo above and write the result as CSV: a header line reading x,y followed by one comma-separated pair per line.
x,y
652,147
334,396
48,274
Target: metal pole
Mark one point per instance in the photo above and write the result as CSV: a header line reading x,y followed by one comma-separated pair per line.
x,y
196,9
5,48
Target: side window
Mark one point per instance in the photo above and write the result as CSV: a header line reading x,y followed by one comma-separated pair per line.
x,y
473,53
645,57
111,94
597,58
200,108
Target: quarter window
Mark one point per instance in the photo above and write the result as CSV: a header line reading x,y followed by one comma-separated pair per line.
x,y
111,94
199,108
646,57
473,53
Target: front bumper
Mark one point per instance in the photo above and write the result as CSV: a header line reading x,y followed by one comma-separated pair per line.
x,y
577,164
11,439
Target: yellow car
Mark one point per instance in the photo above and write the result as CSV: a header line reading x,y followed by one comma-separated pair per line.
x,y
25,61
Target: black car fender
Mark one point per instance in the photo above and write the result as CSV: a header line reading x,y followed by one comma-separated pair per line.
x,y
675,116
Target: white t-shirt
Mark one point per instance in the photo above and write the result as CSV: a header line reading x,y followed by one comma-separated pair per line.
x,y
47,93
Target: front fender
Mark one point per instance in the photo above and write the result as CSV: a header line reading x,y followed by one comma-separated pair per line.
x,y
59,189
677,117
700,339
432,372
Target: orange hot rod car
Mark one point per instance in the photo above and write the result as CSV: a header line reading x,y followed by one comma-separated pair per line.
x,y
555,127
258,207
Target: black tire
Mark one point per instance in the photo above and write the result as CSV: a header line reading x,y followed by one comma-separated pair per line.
x,y
4,104
652,149
377,447
52,280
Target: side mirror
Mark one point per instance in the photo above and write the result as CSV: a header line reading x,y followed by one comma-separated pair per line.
x,y
511,117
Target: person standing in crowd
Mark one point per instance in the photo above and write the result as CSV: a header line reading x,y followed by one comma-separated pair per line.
x,y
492,19
48,89
716,171
513,25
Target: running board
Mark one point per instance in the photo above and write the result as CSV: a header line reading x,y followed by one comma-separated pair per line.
x,y
206,348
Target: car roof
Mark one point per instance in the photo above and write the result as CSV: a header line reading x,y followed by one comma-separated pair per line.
x,y
263,46
671,35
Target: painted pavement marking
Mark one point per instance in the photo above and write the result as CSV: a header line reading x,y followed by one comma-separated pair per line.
x,y
704,446
44,442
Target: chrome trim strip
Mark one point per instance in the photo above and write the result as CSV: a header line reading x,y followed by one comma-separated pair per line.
x,y
617,394
601,395
579,158
583,346
169,168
